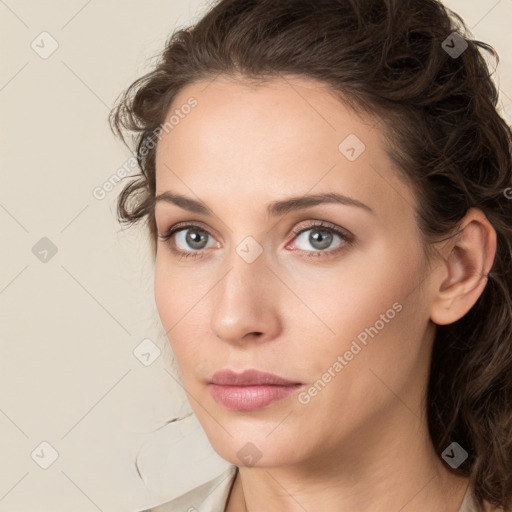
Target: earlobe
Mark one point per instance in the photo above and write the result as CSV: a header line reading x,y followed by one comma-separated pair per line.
x,y
466,262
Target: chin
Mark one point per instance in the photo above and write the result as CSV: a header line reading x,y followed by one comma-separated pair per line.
x,y
258,450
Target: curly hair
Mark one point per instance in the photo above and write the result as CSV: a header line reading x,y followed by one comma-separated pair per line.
x,y
414,66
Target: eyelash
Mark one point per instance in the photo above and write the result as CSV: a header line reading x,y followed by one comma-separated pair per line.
x,y
320,226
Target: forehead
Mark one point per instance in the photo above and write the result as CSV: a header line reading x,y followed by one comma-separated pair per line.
x,y
287,135
278,113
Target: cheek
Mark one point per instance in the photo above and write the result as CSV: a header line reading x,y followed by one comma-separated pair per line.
x,y
176,291
180,300
372,298
165,295
362,285
172,303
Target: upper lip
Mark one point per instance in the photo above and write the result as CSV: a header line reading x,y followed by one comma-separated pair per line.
x,y
248,378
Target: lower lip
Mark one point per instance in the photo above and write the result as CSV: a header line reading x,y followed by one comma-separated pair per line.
x,y
249,398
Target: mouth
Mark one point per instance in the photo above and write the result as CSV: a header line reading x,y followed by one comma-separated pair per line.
x,y
249,390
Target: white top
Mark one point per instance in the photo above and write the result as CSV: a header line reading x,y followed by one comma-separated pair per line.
x,y
212,497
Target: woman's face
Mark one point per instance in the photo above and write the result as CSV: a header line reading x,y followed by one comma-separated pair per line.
x,y
340,309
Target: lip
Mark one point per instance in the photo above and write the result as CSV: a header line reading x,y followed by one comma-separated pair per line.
x,y
249,390
248,378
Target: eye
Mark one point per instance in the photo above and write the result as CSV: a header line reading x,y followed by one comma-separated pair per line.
x,y
321,237
191,240
187,237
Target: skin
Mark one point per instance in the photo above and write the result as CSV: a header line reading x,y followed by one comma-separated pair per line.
x,y
361,444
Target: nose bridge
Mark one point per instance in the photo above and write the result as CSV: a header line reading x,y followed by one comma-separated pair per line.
x,y
247,264
242,302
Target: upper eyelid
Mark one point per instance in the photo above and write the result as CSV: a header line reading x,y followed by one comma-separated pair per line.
x,y
180,226
312,224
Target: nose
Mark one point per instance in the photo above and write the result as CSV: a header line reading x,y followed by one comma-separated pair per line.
x,y
245,303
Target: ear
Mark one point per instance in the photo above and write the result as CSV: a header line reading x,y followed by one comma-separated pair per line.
x,y
465,263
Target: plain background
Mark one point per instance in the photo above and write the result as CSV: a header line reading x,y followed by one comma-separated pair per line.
x,y
71,386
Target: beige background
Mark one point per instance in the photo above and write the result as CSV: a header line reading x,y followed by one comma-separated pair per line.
x,y
71,386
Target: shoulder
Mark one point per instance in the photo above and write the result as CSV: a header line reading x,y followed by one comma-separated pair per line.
x,y
469,503
208,497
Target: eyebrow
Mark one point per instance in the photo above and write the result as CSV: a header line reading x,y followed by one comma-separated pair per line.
x,y
274,209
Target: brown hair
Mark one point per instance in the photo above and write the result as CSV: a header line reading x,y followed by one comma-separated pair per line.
x,y
432,90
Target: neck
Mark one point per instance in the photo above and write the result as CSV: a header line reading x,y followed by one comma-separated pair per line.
x,y
383,469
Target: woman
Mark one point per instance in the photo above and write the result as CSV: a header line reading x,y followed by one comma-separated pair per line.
x,y
327,186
